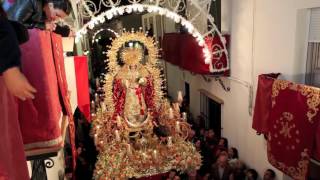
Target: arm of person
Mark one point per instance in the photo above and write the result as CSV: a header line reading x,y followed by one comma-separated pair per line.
x,y
15,81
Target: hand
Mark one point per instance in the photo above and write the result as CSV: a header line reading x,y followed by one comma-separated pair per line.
x,y
50,26
18,84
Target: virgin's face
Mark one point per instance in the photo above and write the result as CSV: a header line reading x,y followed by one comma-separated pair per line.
x,y
133,67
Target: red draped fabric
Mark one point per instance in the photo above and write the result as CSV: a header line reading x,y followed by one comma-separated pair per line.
x,y
82,80
39,118
184,51
289,116
13,164
263,103
63,87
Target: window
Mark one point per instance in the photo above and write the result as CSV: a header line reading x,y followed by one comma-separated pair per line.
x,y
313,52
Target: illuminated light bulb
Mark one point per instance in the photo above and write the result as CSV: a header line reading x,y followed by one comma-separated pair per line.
x,y
140,9
184,116
120,11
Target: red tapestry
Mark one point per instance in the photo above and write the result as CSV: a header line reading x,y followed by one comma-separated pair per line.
x,y
291,126
82,78
184,51
39,118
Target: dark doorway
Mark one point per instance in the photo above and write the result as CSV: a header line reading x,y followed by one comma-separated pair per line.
x,y
210,110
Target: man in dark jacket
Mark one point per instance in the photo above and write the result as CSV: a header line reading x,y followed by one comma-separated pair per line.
x,y
39,13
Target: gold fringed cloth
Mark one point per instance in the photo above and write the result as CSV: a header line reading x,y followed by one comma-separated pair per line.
x,y
291,123
40,118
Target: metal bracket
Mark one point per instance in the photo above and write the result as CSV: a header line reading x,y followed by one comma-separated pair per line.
x,y
209,79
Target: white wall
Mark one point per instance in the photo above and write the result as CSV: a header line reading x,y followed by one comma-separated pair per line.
x,y
266,36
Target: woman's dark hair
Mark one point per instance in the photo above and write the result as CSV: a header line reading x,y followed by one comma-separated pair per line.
x,y
64,5
254,173
235,153
273,174
225,142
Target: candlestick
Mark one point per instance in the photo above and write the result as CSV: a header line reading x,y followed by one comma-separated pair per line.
x,y
117,135
171,113
180,98
169,141
178,127
184,116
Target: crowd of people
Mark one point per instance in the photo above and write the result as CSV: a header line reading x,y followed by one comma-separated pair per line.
x,y
219,161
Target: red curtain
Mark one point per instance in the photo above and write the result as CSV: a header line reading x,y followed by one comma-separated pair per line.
x,y
39,118
287,113
82,78
183,50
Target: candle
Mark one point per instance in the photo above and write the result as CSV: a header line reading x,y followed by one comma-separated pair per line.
x,y
129,150
170,113
93,105
103,106
180,98
118,121
117,135
169,141
96,97
178,127
184,116
155,154
95,138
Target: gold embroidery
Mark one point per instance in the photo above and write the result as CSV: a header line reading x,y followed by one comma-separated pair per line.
x,y
285,124
299,172
311,93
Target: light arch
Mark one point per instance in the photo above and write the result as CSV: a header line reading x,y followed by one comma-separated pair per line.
x,y
173,15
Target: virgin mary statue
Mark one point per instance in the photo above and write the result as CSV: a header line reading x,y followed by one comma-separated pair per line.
x,y
133,87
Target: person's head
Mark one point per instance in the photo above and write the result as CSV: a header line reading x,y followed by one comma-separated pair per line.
x,y
211,134
172,174
269,174
223,142
198,144
222,160
233,153
239,165
252,174
202,131
55,9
